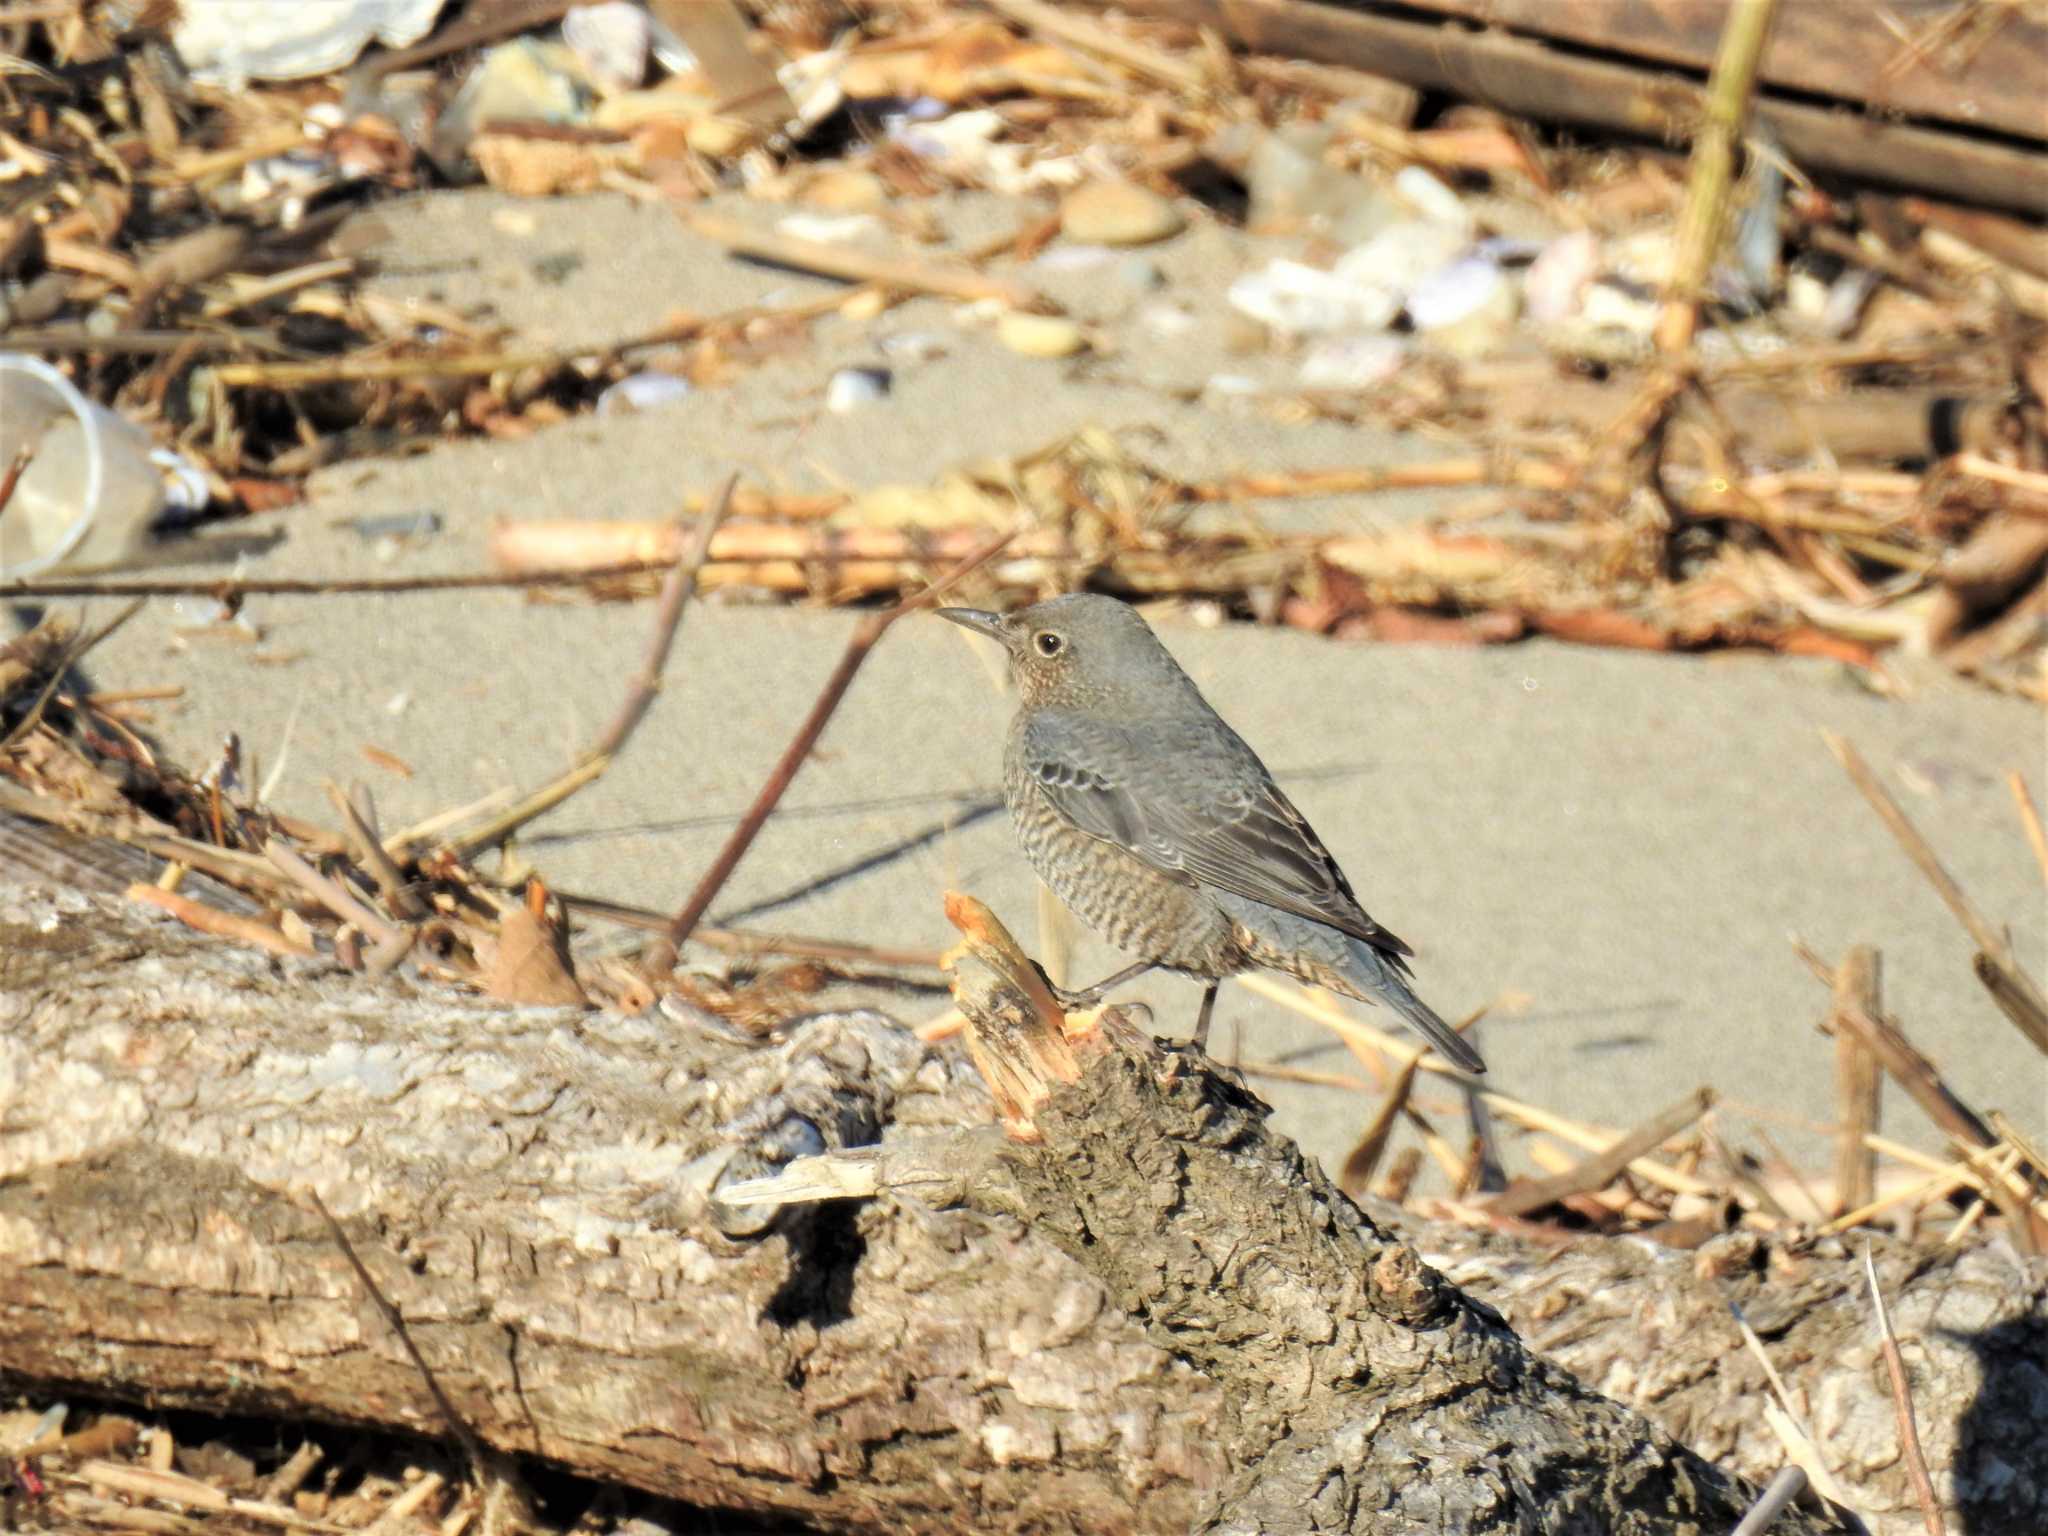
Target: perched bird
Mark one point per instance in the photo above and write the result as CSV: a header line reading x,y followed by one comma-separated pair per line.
x,y
1163,831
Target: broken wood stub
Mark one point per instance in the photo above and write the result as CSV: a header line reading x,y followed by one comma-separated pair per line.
x,y
1361,1390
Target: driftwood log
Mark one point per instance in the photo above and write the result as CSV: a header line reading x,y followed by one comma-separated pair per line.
x,y
537,1192
1931,58
1525,77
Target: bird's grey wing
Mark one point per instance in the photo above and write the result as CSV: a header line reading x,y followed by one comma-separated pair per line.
x,y
1212,817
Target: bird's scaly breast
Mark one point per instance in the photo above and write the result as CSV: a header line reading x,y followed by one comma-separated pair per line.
x,y
1131,904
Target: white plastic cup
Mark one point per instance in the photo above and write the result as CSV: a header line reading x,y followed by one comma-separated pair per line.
x,y
91,492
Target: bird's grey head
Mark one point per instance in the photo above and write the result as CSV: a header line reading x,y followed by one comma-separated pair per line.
x,y
1083,652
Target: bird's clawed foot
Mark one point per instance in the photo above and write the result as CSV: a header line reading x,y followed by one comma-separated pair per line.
x,y
1200,1038
1091,997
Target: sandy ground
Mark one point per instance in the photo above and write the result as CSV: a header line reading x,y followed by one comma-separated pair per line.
x,y
1618,845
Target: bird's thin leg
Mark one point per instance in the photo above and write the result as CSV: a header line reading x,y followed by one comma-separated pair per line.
x,y
1088,997
1201,1036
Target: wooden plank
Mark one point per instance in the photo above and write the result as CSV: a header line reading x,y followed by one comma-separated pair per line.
x,y
1986,68
1529,79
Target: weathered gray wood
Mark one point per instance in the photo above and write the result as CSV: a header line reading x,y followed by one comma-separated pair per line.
x,y
530,1187
1522,76
1363,1393
1985,73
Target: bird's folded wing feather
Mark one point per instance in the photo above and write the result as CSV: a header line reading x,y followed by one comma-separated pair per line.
x,y
1215,818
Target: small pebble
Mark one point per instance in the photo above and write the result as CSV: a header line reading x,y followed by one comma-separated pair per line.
x,y
1073,258
1454,291
715,137
1140,273
851,388
1166,319
642,392
613,39
864,304
1352,362
1611,306
1431,198
186,487
1298,300
1846,301
845,190
916,346
1232,384
1557,280
397,525
828,229
1117,213
1040,335
1467,309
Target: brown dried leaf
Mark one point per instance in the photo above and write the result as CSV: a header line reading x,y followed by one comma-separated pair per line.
x,y
530,964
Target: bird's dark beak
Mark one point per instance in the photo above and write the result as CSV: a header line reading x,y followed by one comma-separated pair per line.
x,y
980,621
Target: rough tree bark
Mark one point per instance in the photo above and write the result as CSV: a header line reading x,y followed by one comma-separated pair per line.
x,y
1363,1393
535,1190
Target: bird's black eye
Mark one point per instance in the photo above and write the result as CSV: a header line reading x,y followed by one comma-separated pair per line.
x,y
1048,643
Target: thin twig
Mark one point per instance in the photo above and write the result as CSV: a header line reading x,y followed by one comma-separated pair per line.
x,y
1913,1072
486,1468
1363,1160
1729,89
676,590
226,925
23,457
910,273
744,941
230,591
479,25
73,654
1902,1400
2019,999
1936,1186
379,370
1093,37
391,881
332,895
1784,1419
661,956
2030,818
1280,1072
1601,1169
1859,1085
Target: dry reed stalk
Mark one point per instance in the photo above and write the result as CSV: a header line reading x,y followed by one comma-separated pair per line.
x,y
2020,999
676,591
1363,1160
2030,820
1092,36
1858,1082
1605,1166
1902,1401
225,925
1776,1498
661,956
1729,91
1289,996
910,274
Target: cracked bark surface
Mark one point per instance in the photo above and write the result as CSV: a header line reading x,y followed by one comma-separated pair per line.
x,y
536,1191
1362,1392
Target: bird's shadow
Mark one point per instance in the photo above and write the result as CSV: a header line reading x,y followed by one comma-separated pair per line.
x,y
1997,1492
817,885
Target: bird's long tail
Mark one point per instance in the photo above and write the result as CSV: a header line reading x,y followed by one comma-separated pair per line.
x,y
1385,980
